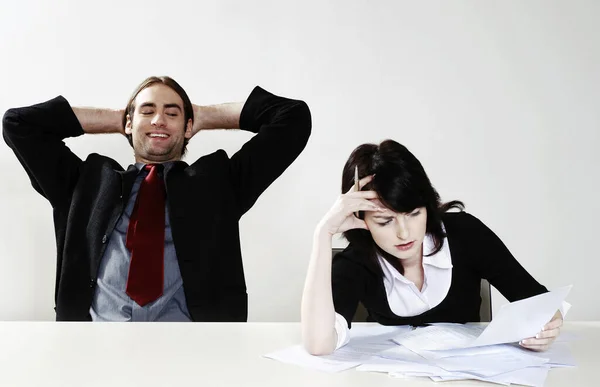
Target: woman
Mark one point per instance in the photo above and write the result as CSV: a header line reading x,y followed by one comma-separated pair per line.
x,y
409,260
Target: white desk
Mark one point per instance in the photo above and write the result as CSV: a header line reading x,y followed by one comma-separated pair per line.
x,y
193,354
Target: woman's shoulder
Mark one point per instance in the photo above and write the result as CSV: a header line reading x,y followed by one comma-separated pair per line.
x,y
461,221
353,258
349,254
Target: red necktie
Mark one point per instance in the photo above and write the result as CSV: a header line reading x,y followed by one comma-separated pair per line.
x,y
146,240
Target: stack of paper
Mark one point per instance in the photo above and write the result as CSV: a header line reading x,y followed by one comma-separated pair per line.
x,y
365,343
451,351
503,364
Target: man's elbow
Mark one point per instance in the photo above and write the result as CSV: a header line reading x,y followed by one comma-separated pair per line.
x,y
303,112
9,118
302,120
9,123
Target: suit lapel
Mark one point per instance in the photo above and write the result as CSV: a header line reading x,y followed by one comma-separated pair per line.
x,y
119,182
190,233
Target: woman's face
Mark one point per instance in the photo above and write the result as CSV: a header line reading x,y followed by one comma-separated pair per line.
x,y
399,234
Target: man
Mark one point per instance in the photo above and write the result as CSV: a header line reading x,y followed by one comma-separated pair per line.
x,y
160,240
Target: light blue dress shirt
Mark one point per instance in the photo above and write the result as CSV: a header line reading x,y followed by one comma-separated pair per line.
x,y
110,302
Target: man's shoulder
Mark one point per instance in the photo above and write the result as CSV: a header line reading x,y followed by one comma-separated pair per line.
x,y
215,161
98,161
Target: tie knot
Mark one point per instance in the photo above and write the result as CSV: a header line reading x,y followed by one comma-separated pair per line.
x,y
150,167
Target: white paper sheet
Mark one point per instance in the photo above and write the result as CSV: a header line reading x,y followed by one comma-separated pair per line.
x,y
534,377
378,332
463,351
514,322
406,368
440,337
522,319
558,353
401,353
297,355
484,364
491,364
365,342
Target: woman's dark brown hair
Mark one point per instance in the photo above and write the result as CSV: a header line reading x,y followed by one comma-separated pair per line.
x,y
402,186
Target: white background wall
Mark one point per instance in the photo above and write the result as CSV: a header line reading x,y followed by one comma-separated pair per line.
x,y
498,99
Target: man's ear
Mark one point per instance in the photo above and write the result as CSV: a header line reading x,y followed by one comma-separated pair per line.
x,y
128,125
188,129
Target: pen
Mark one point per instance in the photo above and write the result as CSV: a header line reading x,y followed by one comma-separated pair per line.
x,y
356,185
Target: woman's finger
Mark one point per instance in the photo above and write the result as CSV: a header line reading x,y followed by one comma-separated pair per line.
x,y
550,333
364,181
361,183
359,223
554,323
532,342
363,194
537,348
362,205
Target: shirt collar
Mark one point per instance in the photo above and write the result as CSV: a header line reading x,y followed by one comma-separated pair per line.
x,y
441,259
389,272
140,166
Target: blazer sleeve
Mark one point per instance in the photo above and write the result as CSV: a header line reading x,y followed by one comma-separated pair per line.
x,y
35,134
347,285
282,128
495,263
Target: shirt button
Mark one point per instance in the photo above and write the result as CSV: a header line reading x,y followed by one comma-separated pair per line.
x,y
104,238
92,283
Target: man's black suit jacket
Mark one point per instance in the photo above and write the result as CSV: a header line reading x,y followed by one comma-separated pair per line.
x,y
206,200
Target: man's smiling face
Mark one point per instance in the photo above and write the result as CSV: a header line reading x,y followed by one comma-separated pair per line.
x,y
158,126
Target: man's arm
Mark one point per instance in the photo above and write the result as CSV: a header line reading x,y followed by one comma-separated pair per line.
x,y
223,116
282,128
36,133
94,120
